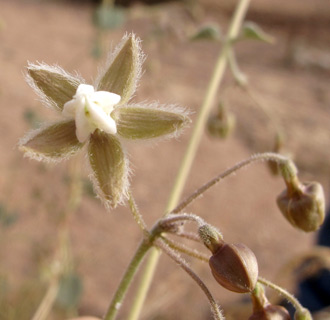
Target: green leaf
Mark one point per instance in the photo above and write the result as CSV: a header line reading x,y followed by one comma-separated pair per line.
x,y
123,73
135,122
110,18
53,142
208,32
109,167
70,291
54,85
251,30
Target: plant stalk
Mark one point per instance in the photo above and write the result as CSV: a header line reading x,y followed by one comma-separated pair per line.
x,y
189,156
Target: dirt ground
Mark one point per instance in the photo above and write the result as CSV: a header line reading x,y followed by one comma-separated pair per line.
x,y
290,78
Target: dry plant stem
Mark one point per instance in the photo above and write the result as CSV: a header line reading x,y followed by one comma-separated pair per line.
x,y
62,258
183,249
268,156
171,219
184,265
47,302
187,235
282,292
213,87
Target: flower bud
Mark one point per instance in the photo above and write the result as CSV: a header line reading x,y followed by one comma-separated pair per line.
x,y
263,310
211,237
222,123
303,205
235,267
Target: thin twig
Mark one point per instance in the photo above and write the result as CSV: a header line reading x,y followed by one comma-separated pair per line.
x,y
187,235
268,156
290,297
136,214
184,249
184,265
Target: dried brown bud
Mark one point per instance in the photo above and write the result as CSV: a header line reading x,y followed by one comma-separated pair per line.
x,y
303,205
235,267
263,310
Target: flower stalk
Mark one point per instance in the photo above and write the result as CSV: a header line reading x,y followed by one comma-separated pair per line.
x,y
213,87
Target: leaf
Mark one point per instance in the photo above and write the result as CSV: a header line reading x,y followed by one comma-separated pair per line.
x,y
135,122
109,167
53,84
251,30
124,70
208,32
70,291
53,142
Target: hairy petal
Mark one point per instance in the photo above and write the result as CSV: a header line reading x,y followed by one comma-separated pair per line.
x,y
53,142
53,84
124,69
146,122
110,169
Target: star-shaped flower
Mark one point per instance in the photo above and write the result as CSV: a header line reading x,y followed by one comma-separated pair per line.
x,y
99,117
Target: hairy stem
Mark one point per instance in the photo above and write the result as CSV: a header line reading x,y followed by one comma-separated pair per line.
x,y
213,87
268,156
137,215
183,249
184,265
282,292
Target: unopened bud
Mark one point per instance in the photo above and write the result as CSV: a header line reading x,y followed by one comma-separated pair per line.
x,y
263,309
211,237
235,267
303,205
303,314
221,124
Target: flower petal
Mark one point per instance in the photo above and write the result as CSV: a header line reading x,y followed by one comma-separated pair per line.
x,y
124,69
53,84
100,119
107,100
140,122
53,142
109,166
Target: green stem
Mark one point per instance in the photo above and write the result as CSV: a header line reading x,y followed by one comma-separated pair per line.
x,y
187,161
126,280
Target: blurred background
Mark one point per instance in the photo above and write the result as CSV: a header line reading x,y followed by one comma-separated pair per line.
x,y
290,79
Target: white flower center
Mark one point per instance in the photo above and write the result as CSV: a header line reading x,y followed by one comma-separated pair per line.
x,y
91,110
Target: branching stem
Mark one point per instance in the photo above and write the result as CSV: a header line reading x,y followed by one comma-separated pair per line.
x,y
268,156
184,265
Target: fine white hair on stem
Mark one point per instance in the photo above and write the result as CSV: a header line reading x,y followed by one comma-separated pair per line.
x,y
216,311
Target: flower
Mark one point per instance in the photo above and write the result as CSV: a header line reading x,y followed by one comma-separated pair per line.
x,y
99,117
91,111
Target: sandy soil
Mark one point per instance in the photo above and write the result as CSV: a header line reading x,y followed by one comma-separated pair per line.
x,y
291,77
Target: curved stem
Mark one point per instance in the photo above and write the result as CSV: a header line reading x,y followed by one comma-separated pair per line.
x,y
170,219
216,79
183,249
268,156
283,292
184,265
